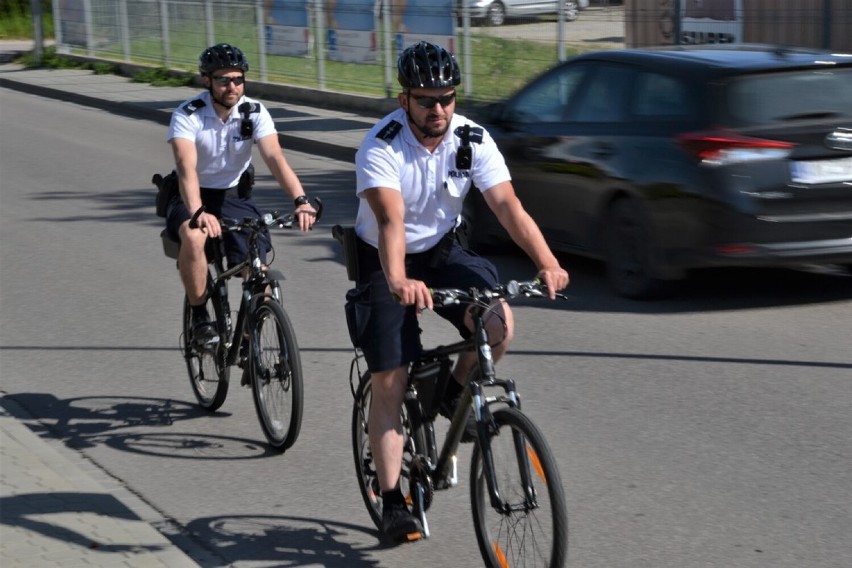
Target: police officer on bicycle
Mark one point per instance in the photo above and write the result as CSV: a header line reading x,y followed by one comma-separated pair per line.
x,y
413,171
212,138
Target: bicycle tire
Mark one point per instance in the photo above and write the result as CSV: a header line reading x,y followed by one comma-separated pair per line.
x,y
522,536
365,470
276,374
209,375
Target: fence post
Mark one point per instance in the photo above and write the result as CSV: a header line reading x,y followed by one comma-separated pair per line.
x,y
387,40
261,39
164,25
208,21
90,28
826,24
319,41
560,31
125,29
38,30
468,57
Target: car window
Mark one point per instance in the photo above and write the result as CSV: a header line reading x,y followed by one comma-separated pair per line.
x,y
789,96
603,100
547,99
657,96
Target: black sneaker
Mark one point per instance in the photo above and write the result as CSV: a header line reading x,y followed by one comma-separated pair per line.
x,y
399,525
204,334
448,408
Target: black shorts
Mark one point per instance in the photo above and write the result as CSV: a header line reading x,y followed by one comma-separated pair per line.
x,y
221,203
388,333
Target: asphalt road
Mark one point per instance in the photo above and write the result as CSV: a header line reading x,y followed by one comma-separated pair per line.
x,y
710,430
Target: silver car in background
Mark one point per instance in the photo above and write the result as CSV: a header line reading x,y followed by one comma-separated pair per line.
x,y
495,12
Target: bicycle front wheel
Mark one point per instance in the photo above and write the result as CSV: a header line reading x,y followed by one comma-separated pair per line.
x,y
208,372
276,375
530,525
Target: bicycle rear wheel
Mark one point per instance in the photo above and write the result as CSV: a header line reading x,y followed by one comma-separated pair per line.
x,y
365,467
208,373
276,374
532,527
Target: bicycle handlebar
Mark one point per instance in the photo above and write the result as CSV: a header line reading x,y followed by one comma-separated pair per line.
x,y
512,289
275,218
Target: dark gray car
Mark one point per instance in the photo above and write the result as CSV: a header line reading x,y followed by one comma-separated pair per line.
x,y
664,160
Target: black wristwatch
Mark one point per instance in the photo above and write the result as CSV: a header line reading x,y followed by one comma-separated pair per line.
x,y
301,200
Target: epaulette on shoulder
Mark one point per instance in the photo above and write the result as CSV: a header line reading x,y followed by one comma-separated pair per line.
x,y
193,106
389,131
476,135
469,134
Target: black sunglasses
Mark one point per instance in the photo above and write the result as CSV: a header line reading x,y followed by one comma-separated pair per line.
x,y
225,81
430,102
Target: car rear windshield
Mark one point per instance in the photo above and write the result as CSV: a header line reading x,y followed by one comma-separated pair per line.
x,y
771,98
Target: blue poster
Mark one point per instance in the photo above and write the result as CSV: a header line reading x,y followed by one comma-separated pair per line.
x,y
428,20
351,30
286,25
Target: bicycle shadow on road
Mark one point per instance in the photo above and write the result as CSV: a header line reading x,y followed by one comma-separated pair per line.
x,y
20,512
132,424
285,540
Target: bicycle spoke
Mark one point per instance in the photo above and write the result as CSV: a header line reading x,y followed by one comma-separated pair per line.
x,y
277,381
530,527
208,373
365,468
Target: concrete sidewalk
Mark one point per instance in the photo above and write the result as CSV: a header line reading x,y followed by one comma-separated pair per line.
x,y
57,508
317,122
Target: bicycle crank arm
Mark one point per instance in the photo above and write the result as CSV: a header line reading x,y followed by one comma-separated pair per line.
x,y
421,506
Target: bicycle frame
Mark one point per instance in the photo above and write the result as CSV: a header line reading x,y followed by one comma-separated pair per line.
x,y
260,282
444,472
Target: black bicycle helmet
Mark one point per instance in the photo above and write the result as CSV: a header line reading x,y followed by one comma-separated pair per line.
x,y
222,56
426,65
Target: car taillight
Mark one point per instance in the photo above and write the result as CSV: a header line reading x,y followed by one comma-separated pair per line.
x,y
721,148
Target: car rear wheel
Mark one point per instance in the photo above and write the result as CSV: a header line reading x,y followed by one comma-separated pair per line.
x,y
630,252
572,10
496,14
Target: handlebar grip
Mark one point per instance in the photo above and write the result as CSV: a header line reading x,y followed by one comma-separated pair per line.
x,y
193,221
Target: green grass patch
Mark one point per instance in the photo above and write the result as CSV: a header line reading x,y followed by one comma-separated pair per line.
x,y
162,77
16,20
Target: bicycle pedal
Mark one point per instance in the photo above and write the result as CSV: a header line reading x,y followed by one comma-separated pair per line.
x,y
413,537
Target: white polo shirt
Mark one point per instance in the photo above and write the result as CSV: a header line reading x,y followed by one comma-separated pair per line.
x,y
223,153
432,188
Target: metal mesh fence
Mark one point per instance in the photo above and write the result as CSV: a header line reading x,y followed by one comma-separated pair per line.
x,y
351,45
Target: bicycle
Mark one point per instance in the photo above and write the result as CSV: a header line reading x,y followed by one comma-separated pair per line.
x,y
517,499
262,342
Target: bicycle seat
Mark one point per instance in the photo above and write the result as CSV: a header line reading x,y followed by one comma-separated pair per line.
x,y
171,247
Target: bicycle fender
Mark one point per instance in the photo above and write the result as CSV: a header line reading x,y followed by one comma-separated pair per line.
x,y
273,274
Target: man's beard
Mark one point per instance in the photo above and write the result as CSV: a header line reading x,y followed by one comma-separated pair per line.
x,y
431,132
219,100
